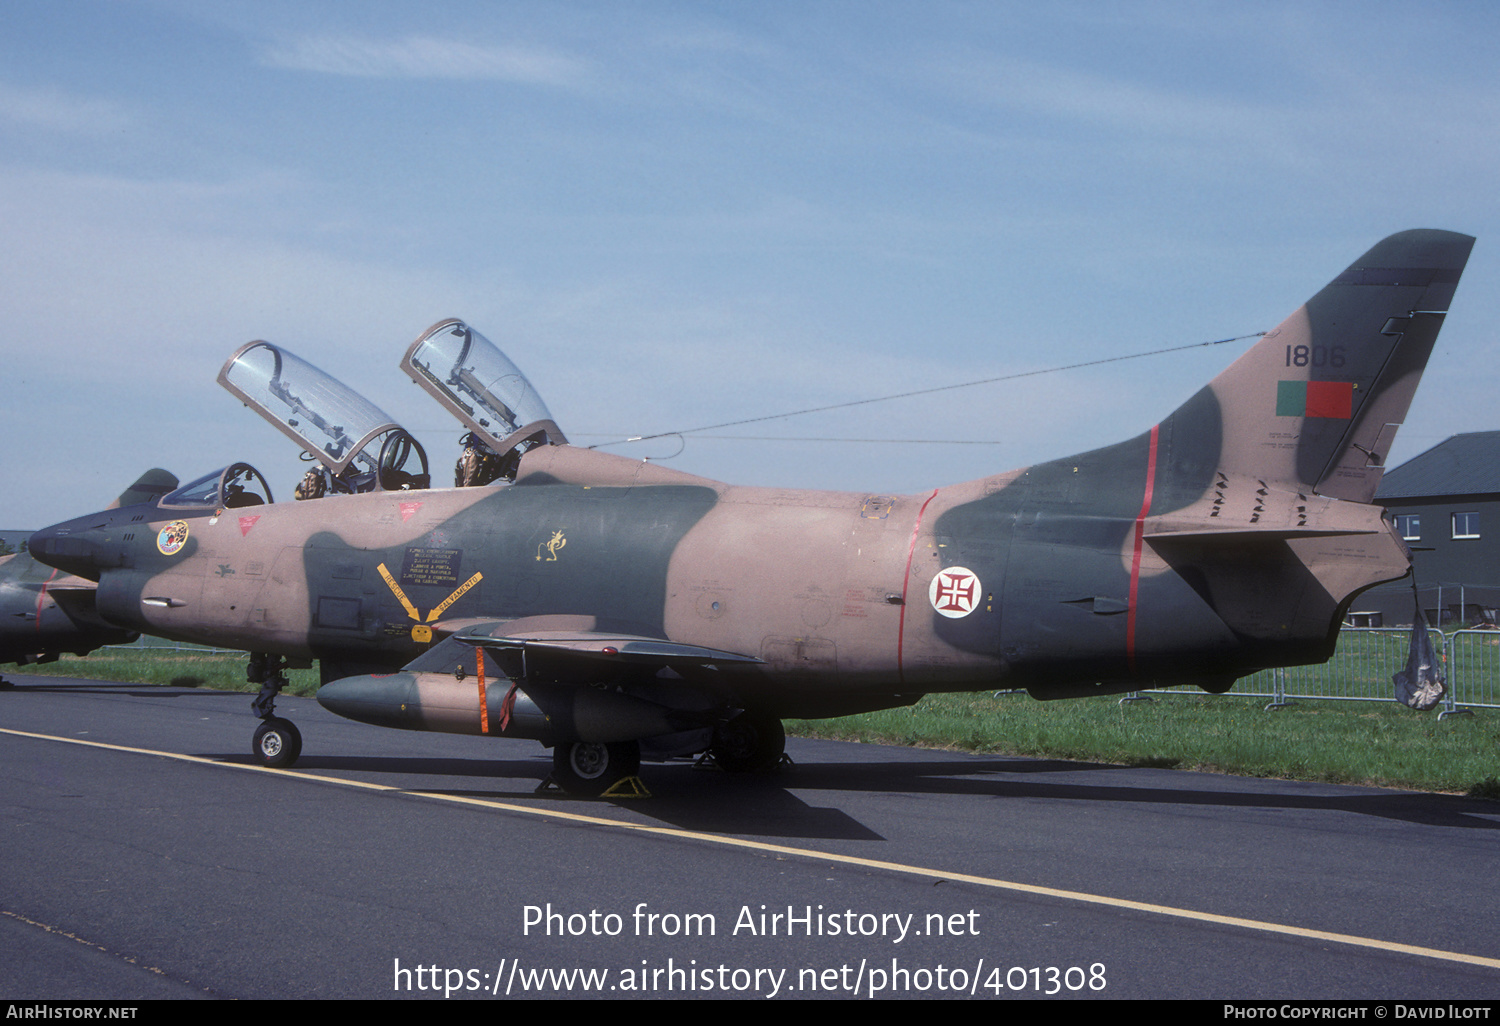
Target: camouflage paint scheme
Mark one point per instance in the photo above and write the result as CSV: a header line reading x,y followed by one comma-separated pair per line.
x,y
33,627
44,612
1228,538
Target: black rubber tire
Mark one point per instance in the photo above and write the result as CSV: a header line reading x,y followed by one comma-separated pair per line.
x,y
277,743
749,743
592,767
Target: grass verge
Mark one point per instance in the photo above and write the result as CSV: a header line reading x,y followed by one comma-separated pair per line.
x,y
165,666
1339,742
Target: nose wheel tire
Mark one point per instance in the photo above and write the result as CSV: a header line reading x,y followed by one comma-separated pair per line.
x,y
277,743
591,767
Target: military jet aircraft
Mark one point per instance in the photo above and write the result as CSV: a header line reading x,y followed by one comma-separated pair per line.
x,y
598,603
44,612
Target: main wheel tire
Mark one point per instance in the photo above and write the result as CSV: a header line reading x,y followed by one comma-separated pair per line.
x,y
592,767
277,743
749,743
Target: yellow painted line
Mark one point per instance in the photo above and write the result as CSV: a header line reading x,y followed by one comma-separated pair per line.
x,y
411,610
828,856
203,760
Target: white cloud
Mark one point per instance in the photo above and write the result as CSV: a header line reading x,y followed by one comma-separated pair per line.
x,y
427,57
56,111
1102,101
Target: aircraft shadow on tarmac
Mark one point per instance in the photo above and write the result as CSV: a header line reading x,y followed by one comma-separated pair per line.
x,y
769,804
688,798
957,778
978,779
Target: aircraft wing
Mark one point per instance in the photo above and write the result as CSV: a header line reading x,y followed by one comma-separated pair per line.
x,y
599,648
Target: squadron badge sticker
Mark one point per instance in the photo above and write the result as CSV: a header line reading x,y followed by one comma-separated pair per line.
x,y
954,592
172,538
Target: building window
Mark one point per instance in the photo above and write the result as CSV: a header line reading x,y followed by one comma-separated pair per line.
x,y
1466,525
1410,526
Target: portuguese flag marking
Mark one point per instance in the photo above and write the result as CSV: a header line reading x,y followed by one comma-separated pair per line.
x,y
1315,399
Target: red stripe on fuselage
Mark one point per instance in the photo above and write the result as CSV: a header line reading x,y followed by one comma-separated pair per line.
x,y
1135,559
911,549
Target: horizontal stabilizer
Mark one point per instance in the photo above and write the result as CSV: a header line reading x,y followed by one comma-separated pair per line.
x,y
1238,534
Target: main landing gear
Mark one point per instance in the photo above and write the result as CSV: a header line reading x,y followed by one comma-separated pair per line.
x,y
277,741
593,767
749,743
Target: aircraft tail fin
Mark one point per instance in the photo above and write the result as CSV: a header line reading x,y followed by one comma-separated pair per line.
x,y
149,487
1314,406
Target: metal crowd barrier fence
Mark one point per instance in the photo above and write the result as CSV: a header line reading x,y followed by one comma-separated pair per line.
x,y
1473,660
1365,660
1360,669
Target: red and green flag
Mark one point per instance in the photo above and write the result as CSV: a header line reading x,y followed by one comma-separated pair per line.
x,y
1315,399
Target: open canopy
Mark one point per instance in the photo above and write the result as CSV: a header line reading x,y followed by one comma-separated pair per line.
x,y
479,385
330,420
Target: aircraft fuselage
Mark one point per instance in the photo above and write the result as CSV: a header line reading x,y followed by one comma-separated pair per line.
x,y
1034,578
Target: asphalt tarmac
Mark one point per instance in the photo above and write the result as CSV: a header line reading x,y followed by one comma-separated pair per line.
x,y
145,856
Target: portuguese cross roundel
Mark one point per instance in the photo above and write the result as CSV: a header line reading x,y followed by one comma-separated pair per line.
x,y
954,592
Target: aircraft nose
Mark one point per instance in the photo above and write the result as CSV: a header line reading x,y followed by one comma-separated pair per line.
x,y
75,547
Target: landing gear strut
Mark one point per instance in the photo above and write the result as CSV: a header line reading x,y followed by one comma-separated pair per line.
x,y
277,741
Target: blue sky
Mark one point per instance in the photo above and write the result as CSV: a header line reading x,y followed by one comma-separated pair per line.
x,y
677,214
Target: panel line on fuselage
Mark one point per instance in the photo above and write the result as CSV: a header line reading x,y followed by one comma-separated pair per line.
x,y
911,550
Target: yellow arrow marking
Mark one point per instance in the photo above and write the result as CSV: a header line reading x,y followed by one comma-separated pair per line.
x,y
457,594
411,610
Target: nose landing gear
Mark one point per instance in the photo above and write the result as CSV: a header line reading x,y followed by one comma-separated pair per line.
x,y
277,742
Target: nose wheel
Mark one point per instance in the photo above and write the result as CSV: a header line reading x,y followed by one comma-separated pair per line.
x,y
278,742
